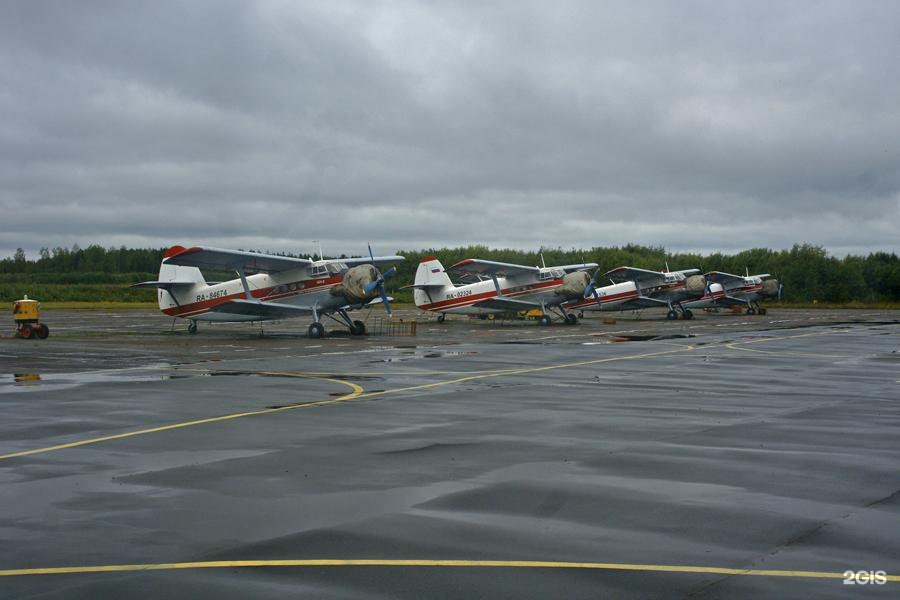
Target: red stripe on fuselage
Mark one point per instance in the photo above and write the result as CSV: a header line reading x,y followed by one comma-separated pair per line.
x,y
262,294
474,298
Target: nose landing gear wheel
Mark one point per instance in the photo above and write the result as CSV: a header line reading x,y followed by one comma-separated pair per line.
x,y
359,328
571,319
545,320
671,315
316,331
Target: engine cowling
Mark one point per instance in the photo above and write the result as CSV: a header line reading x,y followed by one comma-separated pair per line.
x,y
573,284
695,284
770,288
353,285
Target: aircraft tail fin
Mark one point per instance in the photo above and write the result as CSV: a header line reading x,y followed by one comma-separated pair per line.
x,y
175,280
430,277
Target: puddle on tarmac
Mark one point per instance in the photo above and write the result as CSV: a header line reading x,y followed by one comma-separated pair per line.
x,y
650,338
420,354
20,382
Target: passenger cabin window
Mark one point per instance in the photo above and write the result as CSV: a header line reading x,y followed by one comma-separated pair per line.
x,y
317,270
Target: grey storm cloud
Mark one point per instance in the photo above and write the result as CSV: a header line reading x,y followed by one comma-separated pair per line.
x,y
693,125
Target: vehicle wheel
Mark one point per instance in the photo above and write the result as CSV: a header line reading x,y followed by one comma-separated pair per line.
x,y
316,331
42,331
763,311
192,327
580,314
571,319
671,315
359,328
545,320
26,331
751,311
441,317
688,315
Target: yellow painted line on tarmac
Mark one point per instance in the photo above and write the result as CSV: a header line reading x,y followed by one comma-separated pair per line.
x,y
357,390
378,562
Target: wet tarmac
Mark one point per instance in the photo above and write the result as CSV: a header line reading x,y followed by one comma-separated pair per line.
x,y
656,459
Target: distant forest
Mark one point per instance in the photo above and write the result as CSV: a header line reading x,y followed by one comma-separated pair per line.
x,y
809,274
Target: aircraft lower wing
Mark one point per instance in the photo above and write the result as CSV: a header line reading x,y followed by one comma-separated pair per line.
x,y
643,302
720,301
507,304
263,310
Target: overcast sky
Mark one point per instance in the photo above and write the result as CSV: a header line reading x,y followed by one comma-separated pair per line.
x,y
697,126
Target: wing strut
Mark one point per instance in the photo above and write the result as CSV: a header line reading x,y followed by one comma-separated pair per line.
x,y
244,283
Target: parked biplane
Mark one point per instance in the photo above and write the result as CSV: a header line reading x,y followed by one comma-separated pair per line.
x,y
270,287
499,288
726,290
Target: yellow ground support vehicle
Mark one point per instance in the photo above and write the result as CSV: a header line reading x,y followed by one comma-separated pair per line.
x,y
27,314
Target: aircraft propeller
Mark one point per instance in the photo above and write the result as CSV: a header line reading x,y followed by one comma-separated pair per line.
x,y
378,284
591,288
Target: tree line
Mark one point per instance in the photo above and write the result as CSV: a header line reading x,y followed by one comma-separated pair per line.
x,y
807,271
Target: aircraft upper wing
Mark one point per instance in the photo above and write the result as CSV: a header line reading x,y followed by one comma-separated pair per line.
x,y
378,260
578,267
633,274
477,266
226,260
719,277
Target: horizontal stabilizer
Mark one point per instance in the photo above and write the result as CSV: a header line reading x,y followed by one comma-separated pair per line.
x,y
424,286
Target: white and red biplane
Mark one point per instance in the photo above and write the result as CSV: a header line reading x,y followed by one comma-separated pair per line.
x,y
500,288
725,290
636,289
269,287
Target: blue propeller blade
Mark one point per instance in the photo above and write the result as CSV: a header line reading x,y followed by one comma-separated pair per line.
x,y
384,300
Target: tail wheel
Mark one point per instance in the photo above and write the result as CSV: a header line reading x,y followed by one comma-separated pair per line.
x,y
26,331
42,331
688,315
316,331
441,317
571,319
545,320
671,315
192,327
359,328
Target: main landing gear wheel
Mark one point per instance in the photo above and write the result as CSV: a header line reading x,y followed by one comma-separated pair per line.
x,y
751,311
316,331
26,331
42,331
545,320
571,319
192,327
359,328
762,311
441,317
672,315
687,314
